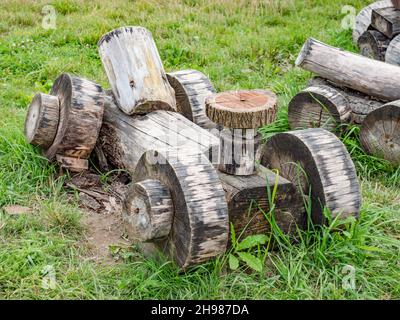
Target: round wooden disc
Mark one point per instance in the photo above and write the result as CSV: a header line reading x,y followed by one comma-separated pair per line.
x,y
393,51
316,159
380,132
81,112
42,120
191,89
373,44
200,225
243,109
318,107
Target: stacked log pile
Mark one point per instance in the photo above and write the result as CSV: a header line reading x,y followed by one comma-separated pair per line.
x,y
377,31
350,89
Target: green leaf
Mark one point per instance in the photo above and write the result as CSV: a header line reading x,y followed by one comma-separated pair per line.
x,y
233,235
252,241
233,262
252,261
372,249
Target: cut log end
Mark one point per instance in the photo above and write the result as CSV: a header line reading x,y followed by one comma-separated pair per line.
x,y
380,132
316,159
387,21
148,210
42,120
393,51
373,44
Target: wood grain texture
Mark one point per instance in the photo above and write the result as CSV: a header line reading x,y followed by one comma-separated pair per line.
x,y
135,71
387,21
41,122
396,4
81,112
360,104
316,159
148,210
373,45
200,226
242,109
319,106
191,89
380,132
393,52
363,19
371,77
72,164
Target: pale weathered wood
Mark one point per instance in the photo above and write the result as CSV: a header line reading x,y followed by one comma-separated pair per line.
x,y
81,112
360,104
380,132
42,120
316,159
374,78
191,89
135,71
200,226
393,51
72,164
387,21
363,19
373,45
148,210
319,106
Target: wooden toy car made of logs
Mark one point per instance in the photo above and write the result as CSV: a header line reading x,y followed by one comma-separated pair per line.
x,y
175,135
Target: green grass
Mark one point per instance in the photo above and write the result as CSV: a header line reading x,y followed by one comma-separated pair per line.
x,y
239,44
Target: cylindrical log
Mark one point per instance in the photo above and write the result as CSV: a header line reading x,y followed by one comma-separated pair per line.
x,y
374,78
72,164
393,51
396,4
318,106
380,132
191,89
387,21
135,71
360,104
373,45
42,120
363,19
149,210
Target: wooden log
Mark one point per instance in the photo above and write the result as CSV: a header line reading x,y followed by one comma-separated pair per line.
x,y
387,21
149,210
72,164
380,132
393,52
396,4
191,89
360,104
316,159
81,112
243,111
42,120
319,106
135,71
373,45
374,78
363,19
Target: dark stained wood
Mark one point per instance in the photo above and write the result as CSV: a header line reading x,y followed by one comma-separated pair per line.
x,y
81,112
373,44
371,77
316,159
319,106
396,4
380,132
393,52
135,71
72,164
191,89
42,120
387,21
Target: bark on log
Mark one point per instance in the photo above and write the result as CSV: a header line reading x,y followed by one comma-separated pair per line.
x,y
319,106
387,21
373,45
374,78
135,71
42,120
191,89
393,52
396,4
316,159
363,19
360,104
380,132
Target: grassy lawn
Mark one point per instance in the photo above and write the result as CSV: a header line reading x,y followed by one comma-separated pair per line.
x,y
238,44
